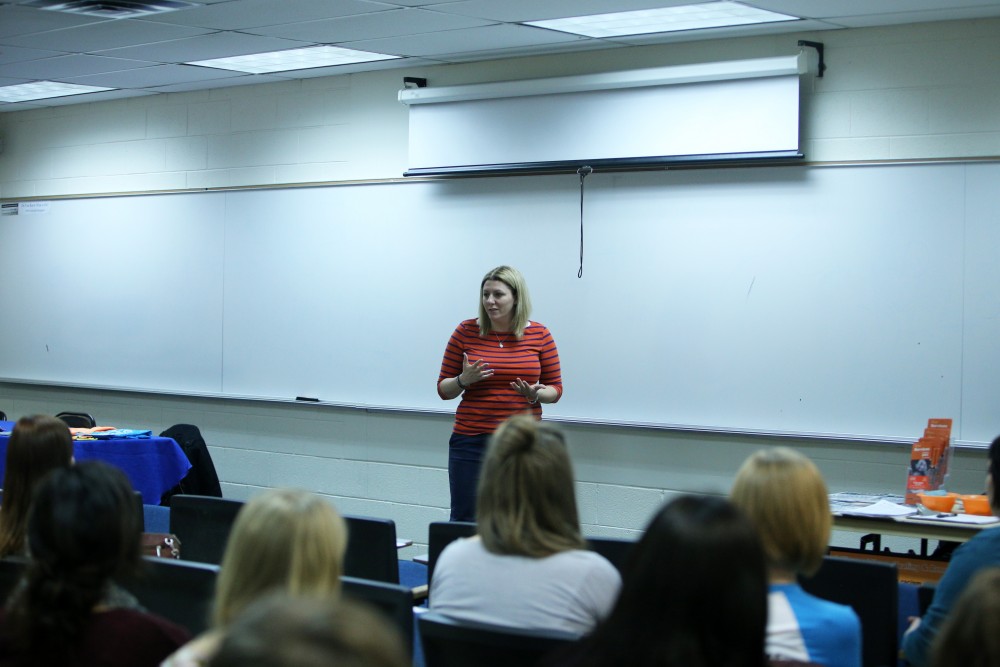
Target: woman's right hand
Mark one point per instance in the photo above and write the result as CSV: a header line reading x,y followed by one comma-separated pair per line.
x,y
474,371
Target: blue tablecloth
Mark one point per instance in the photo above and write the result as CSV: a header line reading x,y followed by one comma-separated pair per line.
x,y
154,465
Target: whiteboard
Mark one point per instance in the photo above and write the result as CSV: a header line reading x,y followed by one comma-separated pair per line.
x,y
830,301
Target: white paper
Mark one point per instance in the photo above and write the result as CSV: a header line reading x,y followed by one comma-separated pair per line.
x,y
881,508
962,518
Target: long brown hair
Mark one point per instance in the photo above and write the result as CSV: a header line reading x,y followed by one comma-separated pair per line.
x,y
526,502
37,445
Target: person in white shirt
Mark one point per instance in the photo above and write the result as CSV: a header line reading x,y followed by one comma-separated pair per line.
x,y
528,566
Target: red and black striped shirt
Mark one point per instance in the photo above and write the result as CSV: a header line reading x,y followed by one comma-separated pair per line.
x,y
488,402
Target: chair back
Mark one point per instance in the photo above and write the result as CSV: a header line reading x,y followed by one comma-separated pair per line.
x,y
615,549
203,524
77,419
371,549
393,600
179,591
439,535
872,589
201,479
3,416
450,643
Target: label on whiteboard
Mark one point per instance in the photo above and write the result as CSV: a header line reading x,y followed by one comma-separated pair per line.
x,y
24,208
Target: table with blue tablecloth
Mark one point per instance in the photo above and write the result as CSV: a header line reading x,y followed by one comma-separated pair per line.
x,y
153,465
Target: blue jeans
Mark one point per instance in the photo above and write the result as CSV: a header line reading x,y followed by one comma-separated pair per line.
x,y
465,458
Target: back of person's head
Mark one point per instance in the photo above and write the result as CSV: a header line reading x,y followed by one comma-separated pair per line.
x,y
970,637
994,474
285,631
83,530
526,501
785,497
694,593
283,540
38,444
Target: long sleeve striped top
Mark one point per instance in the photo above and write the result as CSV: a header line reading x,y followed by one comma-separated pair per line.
x,y
488,402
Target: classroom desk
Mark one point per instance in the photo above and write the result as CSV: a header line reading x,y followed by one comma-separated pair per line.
x,y
153,465
909,527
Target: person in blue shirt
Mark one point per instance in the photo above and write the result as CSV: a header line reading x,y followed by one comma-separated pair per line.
x,y
980,552
785,497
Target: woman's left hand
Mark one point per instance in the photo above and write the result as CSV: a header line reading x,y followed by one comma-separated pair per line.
x,y
529,391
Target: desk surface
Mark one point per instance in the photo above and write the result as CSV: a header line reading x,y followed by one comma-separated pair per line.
x,y
153,465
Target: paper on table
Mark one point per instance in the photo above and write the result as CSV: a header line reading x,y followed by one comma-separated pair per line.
x,y
961,518
881,508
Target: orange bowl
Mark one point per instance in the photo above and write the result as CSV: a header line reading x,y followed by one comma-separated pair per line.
x,y
937,503
976,505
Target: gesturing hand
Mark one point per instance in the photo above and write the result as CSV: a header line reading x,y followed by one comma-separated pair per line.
x,y
474,372
529,391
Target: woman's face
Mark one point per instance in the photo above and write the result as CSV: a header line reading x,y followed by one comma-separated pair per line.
x,y
498,300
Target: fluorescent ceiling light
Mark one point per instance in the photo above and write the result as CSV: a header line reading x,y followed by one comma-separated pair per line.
x,y
667,19
41,90
291,59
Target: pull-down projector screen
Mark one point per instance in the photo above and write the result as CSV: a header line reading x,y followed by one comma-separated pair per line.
x,y
729,111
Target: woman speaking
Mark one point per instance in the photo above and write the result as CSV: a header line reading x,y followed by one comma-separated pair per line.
x,y
501,364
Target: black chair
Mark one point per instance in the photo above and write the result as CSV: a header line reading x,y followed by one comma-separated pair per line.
x,y
439,535
450,643
615,549
371,549
393,600
77,419
202,524
3,416
177,590
201,479
872,589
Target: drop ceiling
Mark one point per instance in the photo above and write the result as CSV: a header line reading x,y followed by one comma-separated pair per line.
x,y
145,55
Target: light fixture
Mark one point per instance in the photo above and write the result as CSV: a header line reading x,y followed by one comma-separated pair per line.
x,y
666,19
292,59
41,90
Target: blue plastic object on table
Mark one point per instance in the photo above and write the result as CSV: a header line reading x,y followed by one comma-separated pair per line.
x,y
153,465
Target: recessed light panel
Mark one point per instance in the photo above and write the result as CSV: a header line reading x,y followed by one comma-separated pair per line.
x,y
292,59
667,19
41,90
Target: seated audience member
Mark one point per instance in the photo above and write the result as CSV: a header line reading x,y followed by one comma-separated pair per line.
x,y
287,631
971,635
785,498
37,445
83,531
528,567
980,552
694,594
283,540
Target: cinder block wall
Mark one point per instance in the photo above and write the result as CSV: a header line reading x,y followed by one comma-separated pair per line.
x,y
909,92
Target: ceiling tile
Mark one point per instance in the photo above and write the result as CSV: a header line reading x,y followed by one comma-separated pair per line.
x,y
65,67
106,35
243,14
391,23
25,21
157,75
470,40
203,47
17,54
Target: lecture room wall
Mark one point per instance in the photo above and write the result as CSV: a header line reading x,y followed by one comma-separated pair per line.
x,y
913,92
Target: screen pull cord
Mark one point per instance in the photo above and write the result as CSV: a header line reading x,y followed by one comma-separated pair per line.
x,y
583,171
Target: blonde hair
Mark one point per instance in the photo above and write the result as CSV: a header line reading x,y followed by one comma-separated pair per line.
x,y
526,502
513,279
785,497
283,540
